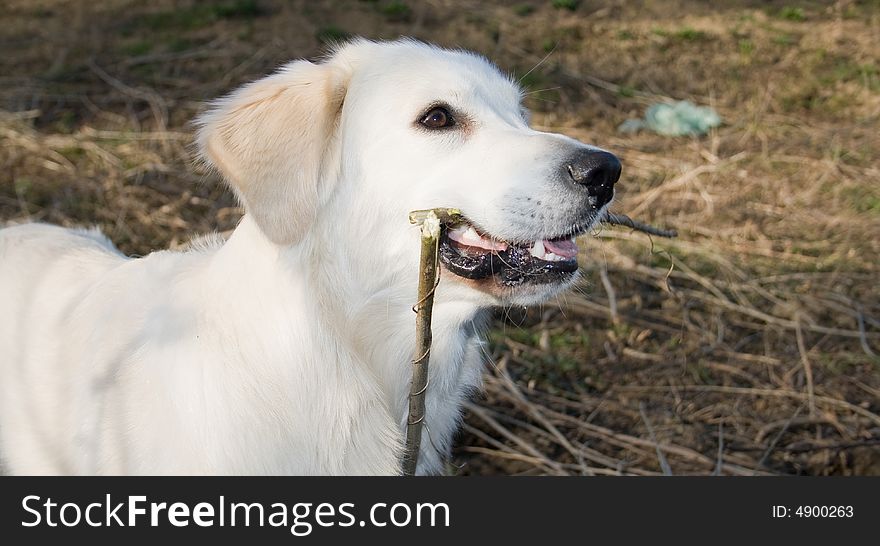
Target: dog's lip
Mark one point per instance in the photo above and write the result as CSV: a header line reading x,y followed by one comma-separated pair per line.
x,y
467,251
469,234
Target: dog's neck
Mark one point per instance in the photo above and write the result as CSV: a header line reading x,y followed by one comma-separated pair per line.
x,y
369,327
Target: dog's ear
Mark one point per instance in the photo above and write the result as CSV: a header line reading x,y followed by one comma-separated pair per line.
x,y
271,140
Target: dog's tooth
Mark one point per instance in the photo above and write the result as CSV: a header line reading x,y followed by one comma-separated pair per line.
x,y
472,235
537,250
457,232
466,235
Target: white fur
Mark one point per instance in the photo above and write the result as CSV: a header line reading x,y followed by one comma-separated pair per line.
x,y
286,349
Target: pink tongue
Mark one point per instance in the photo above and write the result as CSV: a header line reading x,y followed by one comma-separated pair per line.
x,y
567,248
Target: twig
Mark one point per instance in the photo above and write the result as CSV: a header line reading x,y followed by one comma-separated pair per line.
x,y
860,319
765,431
840,446
536,462
776,438
770,319
612,295
212,49
156,103
664,464
430,236
646,199
873,417
720,464
808,369
624,220
445,215
631,443
501,454
586,452
536,414
486,417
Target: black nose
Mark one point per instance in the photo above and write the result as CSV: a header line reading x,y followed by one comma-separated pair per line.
x,y
595,171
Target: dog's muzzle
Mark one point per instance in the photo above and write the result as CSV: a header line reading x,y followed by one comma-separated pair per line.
x,y
468,252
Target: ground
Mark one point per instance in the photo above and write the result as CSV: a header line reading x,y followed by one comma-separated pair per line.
x,y
748,345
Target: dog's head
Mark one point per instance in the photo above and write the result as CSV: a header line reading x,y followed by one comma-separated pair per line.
x,y
339,152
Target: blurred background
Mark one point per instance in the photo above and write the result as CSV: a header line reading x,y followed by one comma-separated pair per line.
x,y
749,345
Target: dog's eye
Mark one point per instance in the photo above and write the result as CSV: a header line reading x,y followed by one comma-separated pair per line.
x,y
437,118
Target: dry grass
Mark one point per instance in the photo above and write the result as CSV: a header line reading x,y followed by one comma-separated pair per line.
x,y
747,346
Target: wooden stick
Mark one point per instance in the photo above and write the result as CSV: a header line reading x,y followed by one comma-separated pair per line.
x,y
446,216
430,237
624,220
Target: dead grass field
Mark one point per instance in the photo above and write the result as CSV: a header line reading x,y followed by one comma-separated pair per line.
x,y
749,345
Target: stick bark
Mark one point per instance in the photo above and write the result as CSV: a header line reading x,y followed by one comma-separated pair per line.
x,y
430,236
624,220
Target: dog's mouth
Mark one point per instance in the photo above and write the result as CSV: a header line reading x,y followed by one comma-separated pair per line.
x,y
470,253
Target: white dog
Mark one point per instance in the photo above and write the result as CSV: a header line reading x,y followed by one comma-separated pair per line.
x,y
287,349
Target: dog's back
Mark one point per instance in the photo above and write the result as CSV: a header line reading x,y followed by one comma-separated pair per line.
x,y
44,273
173,363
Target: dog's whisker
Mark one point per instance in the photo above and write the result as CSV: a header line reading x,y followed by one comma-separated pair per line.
x,y
530,93
539,63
